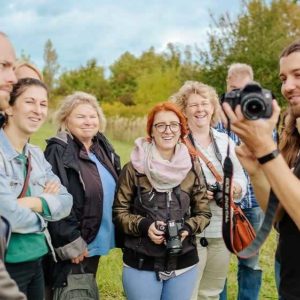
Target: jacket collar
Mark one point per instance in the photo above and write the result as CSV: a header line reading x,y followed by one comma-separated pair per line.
x,y
8,150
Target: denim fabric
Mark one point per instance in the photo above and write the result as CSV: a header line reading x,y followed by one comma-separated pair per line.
x,y
29,277
223,295
277,276
249,271
140,284
24,220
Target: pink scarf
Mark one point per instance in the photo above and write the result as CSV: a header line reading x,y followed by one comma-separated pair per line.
x,y
162,174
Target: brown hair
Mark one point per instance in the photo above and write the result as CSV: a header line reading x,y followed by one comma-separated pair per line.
x,y
293,47
22,85
289,144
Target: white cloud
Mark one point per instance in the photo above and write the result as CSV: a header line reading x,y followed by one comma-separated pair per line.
x,y
105,29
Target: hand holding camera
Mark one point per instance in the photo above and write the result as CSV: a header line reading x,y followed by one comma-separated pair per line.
x,y
156,232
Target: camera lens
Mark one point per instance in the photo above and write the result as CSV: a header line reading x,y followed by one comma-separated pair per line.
x,y
253,108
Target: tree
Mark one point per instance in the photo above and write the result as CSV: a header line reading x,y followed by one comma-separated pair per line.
x,y
89,79
256,37
51,66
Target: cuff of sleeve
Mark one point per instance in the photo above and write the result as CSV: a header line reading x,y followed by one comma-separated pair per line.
x,y
72,249
144,225
187,228
46,211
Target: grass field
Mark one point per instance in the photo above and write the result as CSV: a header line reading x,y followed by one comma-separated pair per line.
x,y
110,267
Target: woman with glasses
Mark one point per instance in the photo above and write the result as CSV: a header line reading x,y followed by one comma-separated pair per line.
x,y
160,205
199,102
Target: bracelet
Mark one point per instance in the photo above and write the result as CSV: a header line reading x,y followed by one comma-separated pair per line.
x,y
264,159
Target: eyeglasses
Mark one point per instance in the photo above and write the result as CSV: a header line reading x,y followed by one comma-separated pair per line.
x,y
162,127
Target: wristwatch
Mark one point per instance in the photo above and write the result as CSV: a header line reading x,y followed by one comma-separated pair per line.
x,y
264,159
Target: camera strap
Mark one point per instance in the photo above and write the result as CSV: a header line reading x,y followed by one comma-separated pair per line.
x,y
208,163
227,226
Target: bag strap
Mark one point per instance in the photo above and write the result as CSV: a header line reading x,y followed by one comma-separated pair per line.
x,y
209,164
227,226
26,181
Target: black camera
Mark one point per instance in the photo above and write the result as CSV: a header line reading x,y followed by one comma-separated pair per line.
x,y
173,238
255,101
217,189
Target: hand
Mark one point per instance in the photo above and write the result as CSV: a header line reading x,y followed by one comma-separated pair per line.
x,y
237,191
257,135
223,118
80,258
247,159
52,187
210,195
183,234
155,235
33,203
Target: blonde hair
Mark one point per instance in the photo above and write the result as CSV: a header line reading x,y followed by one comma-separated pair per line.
x,y
195,87
241,70
22,63
71,102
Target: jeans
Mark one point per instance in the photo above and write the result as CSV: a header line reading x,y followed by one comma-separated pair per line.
x,y
139,284
29,277
277,276
223,295
249,271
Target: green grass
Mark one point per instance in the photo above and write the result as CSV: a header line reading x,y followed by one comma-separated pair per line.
x,y
110,267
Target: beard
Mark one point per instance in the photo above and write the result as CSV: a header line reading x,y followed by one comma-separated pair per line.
x,y
3,102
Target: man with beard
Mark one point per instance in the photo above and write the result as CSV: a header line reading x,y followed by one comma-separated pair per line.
x,y
281,172
8,287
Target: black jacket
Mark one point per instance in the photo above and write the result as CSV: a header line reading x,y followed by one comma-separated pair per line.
x,y
79,175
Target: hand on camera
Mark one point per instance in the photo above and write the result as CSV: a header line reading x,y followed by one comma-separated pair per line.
x,y
156,235
257,135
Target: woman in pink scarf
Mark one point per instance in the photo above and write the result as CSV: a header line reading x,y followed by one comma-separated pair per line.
x,y
160,205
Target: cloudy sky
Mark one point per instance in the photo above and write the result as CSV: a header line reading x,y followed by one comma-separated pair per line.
x,y
104,29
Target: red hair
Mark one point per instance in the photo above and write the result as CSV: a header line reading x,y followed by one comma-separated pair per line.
x,y
169,106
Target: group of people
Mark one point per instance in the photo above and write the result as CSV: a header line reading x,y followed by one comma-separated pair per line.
x,y
70,205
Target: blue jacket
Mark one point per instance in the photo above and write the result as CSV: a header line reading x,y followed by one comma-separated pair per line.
x,y
22,219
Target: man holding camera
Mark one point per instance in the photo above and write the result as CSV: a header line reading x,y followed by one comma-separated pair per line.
x,y
8,288
268,169
249,271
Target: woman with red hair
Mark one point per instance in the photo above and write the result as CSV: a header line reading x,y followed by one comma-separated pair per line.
x,y
160,205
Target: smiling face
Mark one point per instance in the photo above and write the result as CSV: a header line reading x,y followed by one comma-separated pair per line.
x,y
83,122
290,79
29,111
166,141
7,75
199,111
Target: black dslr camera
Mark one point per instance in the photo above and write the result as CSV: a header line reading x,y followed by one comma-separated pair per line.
x,y
217,189
255,101
173,238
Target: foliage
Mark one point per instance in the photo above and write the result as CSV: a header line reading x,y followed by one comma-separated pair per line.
x,y
89,78
256,37
51,64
